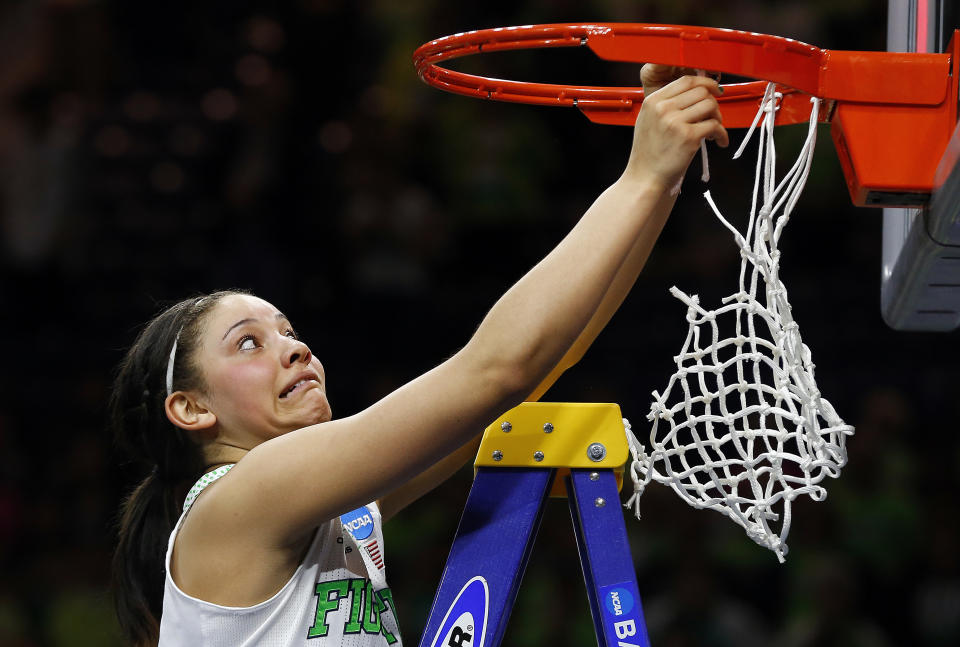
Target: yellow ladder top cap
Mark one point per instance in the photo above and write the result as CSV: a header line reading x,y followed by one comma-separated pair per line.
x,y
556,434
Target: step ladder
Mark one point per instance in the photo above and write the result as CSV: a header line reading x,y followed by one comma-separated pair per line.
x,y
536,450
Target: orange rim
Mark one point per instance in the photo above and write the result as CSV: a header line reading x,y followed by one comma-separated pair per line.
x,y
800,70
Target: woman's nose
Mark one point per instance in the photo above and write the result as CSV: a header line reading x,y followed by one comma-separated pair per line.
x,y
298,353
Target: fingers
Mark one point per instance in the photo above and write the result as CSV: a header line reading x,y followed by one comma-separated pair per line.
x,y
690,101
672,123
655,76
707,122
659,75
711,130
655,73
689,98
701,111
687,83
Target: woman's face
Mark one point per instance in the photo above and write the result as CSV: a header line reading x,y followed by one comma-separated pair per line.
x,y
261,380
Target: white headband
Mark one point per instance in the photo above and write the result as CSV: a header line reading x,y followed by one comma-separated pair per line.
x,y
173,353
173,357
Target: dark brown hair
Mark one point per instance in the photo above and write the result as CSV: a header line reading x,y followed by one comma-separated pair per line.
x,y
170,457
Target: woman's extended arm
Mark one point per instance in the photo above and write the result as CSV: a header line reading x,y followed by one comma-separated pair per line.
x,y
342,464
653,77
448,465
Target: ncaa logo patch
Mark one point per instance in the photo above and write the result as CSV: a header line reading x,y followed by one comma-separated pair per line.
x,y
358,523
618,601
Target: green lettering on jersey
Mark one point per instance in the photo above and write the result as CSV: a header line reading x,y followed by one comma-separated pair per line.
x,y
328,595
367,607
371,610
385,603
356,607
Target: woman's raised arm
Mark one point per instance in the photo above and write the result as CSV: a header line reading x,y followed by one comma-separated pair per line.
x,y
296,480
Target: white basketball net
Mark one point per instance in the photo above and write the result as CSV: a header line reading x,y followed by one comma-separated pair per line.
x,y
741,427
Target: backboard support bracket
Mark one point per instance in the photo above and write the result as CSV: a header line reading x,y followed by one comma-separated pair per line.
x,y
920,273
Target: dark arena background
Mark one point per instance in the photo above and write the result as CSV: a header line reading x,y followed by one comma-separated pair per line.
x,y
152,150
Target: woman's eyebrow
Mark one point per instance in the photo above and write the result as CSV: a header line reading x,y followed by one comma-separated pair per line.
x,y
279,316
239,323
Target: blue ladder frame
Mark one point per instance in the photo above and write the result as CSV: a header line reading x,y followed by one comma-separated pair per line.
x,y
493,543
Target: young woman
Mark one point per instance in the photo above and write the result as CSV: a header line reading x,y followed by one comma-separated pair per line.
x,y
279,541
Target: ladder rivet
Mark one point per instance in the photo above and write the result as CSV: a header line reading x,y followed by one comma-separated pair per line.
x,y
596,452
594,476
538,456
506,426
547,427
599,502
497,455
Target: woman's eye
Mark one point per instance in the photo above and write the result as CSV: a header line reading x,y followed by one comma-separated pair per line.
x,y
291,334
248,343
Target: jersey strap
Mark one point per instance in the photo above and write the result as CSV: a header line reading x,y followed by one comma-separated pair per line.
x,y
203,482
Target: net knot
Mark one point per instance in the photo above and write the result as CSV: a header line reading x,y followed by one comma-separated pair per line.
x,y
656,407
773,104
756,533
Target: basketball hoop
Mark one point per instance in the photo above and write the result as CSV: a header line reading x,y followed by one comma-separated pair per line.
x,y
741,427
860,99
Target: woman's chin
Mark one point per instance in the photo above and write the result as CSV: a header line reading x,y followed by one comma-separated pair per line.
x,y
317,416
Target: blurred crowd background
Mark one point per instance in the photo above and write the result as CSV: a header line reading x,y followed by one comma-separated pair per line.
x,y
149,151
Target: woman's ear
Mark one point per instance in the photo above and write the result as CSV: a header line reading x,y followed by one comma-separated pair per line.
x,y
186,412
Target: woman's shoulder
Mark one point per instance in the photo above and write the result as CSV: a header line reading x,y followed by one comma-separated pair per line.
x,y
221,555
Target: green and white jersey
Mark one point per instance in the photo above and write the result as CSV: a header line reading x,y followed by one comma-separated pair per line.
x,y
337,596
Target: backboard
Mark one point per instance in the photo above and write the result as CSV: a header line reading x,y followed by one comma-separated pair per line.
x,y
921,247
